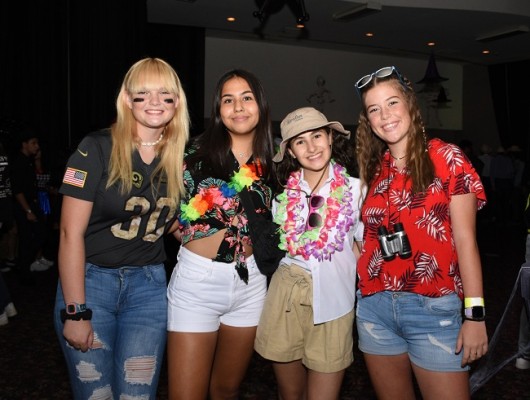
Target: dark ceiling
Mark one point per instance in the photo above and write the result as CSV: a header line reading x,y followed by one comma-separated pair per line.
x,y
400,27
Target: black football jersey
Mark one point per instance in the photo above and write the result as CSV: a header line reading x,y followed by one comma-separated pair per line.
x,y
124,229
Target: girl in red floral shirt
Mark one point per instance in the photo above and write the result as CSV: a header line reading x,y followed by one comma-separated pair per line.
x,y
420,257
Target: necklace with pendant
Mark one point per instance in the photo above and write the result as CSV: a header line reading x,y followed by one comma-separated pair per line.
x,y
397,158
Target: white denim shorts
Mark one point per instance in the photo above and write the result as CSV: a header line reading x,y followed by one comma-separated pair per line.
x,y
203,293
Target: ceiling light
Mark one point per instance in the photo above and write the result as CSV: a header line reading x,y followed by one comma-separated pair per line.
x,y
302,16
358,11
269,7
503,33
230,19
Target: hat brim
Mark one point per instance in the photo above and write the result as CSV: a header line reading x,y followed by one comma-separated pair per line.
x,y
335,125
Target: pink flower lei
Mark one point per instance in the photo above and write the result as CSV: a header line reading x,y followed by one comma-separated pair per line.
x,y
337,214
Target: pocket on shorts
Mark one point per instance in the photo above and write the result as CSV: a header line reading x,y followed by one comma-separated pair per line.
x,y
446,305
191,272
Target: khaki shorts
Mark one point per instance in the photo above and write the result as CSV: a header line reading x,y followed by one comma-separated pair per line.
x,y
286,331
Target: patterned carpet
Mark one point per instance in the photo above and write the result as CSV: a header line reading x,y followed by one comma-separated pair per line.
x,y
32,366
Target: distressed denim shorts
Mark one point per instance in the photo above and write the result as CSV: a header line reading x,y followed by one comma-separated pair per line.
x,y
426,328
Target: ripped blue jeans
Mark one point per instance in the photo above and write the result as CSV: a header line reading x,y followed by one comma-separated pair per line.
x,y
129,320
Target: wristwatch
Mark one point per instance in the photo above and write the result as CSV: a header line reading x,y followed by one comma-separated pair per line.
x,y
76,312
74,308
475,313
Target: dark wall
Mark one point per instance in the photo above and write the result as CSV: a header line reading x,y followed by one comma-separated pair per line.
x,y
62,63
510,85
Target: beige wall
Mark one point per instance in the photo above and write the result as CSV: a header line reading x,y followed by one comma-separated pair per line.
x,y
289,74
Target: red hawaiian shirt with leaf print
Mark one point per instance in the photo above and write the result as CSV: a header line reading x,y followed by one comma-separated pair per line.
x,y
432,269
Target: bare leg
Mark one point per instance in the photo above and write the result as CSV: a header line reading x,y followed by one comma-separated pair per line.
x,y
292,380
324,386
442,385
235,347
391,376
189,359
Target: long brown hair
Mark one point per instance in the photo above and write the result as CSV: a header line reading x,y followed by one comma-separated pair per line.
x,y
215,142
370,148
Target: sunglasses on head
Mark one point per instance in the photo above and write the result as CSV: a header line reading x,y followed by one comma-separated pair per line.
x,y
380,73
314,220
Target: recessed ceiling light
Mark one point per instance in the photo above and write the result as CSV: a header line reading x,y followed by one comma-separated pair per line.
x,y
486,52
431,44
231,19
369,34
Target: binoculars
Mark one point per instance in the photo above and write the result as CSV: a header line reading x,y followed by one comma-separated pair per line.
x,y
394,243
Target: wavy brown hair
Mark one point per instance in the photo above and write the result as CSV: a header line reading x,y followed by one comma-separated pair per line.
x,y
370,148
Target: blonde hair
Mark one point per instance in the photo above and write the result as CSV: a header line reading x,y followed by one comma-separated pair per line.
x,y
370,148
148,73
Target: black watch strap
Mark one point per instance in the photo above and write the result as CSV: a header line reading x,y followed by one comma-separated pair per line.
x,y
84,315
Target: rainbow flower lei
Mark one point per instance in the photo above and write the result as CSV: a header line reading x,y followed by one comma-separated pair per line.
x,y
208,198
295,238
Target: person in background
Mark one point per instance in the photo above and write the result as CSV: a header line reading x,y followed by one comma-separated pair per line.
x,y
420,257
502,174
523,362
7,308
311,298
121,189
43,195
519,187
488,212
467,147
28,216
216,291
6,203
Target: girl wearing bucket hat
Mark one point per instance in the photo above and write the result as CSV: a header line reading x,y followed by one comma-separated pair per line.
x,y
311,297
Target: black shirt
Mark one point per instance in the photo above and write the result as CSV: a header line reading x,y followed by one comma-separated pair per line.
x,y
123,229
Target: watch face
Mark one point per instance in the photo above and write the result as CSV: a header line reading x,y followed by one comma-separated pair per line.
x,y
70,308
478,312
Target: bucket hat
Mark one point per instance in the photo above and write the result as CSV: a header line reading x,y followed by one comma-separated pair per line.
x,y
302,120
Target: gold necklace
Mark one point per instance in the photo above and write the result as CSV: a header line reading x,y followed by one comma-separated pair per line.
x,y
397,158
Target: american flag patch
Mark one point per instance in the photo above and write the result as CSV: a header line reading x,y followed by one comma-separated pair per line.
x,y
75,177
